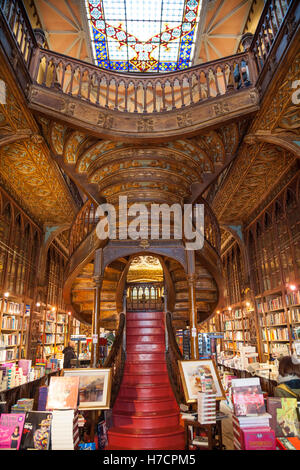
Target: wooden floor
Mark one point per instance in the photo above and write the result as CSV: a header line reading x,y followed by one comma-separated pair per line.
x,y
227,432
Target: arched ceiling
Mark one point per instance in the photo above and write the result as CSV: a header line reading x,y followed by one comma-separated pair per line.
x,y
143,172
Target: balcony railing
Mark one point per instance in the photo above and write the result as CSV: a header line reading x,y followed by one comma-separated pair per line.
x,y
269,24
140,93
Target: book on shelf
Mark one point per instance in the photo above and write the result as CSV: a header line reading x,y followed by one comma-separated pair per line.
x,y
247,397
63,393
293,298
36,431
11,427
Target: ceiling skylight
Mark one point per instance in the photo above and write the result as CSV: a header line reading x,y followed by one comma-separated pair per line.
x,y
143,35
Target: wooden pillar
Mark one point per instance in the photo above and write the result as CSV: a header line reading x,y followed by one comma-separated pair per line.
x,y
191,277
98,279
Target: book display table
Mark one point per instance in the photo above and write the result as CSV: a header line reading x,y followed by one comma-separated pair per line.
x,y
27,390
212,439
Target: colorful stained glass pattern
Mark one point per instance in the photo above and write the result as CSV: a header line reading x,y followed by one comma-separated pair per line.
x,y
143,35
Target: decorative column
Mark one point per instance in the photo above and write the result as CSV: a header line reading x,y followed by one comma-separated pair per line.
x,y
193,316
98,279
191,278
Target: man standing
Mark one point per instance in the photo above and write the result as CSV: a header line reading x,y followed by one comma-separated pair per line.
x,y
69,353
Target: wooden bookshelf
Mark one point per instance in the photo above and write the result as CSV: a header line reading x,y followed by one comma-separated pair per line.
x,y
235,326
277,317
53,330
14,315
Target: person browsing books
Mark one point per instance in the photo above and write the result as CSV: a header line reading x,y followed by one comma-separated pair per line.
x,y
69,354
288,378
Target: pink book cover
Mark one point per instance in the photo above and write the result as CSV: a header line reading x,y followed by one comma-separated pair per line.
x,y
248,401
11,428
259,439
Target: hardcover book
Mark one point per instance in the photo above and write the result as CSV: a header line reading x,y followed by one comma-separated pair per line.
x,y
11,427
36,431
273,403
248,401
63,393
287,418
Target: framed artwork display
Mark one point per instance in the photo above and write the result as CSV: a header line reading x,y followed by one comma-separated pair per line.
x,y
94,387
198,376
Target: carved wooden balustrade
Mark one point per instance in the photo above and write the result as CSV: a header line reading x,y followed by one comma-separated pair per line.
x,y
85,221
212,233
173,355
145,296
20,27
269,24
141,93
116,359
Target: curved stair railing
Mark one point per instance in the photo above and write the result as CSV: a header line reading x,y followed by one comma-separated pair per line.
x,y
116,359
173,355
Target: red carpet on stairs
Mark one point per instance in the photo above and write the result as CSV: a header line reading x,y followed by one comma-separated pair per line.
x,y
145,414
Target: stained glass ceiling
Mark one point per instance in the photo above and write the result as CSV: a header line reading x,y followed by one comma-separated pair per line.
x,y
143,35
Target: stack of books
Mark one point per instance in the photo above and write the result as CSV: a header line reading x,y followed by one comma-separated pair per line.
x,y
22,405
251,427
207,408
64,430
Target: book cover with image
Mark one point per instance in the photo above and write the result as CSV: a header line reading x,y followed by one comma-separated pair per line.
x,y
36,431
63,393
11,427
248,400
287,418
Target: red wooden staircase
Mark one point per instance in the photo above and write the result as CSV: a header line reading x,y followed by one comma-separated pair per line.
x,y
145,414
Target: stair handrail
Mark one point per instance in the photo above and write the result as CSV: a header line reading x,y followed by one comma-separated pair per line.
x,y
173,355
116,359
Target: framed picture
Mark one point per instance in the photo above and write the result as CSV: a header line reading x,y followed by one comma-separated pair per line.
x,y
194,374
94,387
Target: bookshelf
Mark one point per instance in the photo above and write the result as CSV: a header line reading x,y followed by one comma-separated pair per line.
x,y
235,326
278,314
14,318
53,330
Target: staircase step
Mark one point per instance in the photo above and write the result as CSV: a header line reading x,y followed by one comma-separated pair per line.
x,y
144,315
136,339
130,331
145,391
135,438
152,420
137,367
144,323
145,378
143,357
145,405
146,348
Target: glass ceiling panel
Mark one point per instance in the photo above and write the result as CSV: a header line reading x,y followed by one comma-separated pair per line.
x,y
143,35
